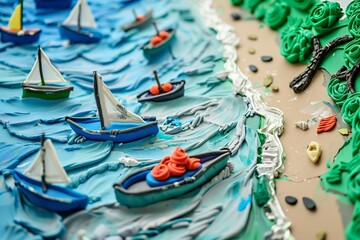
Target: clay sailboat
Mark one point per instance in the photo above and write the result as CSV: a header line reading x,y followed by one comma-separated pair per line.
x,y
44,79
139,21
165,92
114,122
80,26
159,42
36,182
140,189
15,32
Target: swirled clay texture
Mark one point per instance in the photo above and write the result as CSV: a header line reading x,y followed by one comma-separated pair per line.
x,y
296,45
352,53
260,10
354,25
337,91
356,134
324,15
277,15
354,184
237,2
302,5
352,8
353,229
349,108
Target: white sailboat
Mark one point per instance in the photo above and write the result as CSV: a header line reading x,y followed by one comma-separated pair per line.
x,y
46,166
35,182
115,122
80,25
109,108
41,75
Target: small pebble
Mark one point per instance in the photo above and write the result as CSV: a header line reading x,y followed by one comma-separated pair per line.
x,y
290,200
266,58
321,235
251,50
344,131
253,68
268,80
235,16
309,203
274,88
252,37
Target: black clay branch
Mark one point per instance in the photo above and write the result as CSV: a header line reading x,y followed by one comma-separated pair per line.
x,y
349,76
303,80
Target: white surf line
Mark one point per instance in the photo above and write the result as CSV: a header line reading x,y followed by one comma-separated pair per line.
x,y
273,153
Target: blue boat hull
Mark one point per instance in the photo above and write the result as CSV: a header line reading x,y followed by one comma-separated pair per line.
x,y
30,36
177,91
59,4
85,35
56,198
133,191
117,132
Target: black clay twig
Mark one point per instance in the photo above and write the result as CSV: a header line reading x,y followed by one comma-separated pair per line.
x,y
349,76
303,80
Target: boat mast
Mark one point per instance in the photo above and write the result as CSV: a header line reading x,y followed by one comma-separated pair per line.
x,y
40,67
43,176
135,15
97,100
156,28
158,81
21,14
79,18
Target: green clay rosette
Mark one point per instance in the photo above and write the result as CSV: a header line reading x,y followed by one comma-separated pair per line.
x,y
302,5
324,16
296,45
352,8
354,25
356,136
353,229
337,91
352,53
260,10
349,108
277,14
252,4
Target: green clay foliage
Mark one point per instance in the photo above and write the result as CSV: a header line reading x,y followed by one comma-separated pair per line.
x,y
352,53
277,14
337,91
324,15
302,5
352,8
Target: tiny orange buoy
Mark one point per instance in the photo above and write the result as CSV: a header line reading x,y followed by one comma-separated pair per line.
x,y
155,40
154,90
164,35
160,172
175,169
167,87
193,164
326,124
139,18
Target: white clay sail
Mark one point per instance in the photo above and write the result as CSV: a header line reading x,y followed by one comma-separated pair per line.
x,y
54,172
109,108
50,73
86,18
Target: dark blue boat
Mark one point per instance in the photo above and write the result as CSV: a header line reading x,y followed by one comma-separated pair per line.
x,y
115,122
56,198
80,26
59,4
150,50
35,182
176,92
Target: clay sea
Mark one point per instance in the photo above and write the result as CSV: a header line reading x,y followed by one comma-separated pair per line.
x,y
222,208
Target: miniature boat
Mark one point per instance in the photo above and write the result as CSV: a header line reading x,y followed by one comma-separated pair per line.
x,y
45,169
314,151
42,79
134,191
149,49
59,4
15,32
139,22
115,122
176,91
80,26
